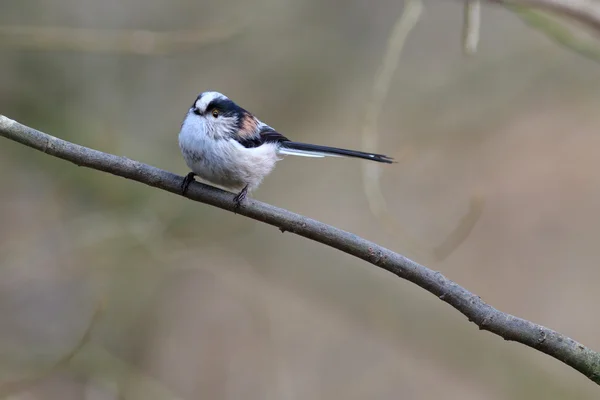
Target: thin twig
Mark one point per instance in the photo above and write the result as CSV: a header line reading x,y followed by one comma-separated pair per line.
x,y
483,315
471,25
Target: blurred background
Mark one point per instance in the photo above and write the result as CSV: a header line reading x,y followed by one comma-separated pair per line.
x,y
111,289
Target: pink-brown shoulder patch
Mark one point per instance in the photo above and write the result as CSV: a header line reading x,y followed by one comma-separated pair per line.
x,y
248,126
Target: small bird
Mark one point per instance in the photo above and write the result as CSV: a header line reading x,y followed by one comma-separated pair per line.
x,y
227,146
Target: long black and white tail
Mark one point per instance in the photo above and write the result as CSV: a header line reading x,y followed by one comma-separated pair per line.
x,y
314,150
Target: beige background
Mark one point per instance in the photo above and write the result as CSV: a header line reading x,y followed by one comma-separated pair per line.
x,y
199,303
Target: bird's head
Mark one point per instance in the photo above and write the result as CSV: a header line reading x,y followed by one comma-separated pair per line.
x,y
219,117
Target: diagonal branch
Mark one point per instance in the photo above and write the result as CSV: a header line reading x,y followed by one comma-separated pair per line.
x,y
483,315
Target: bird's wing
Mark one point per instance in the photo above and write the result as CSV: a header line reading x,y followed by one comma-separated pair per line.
x,y
264,134
270,135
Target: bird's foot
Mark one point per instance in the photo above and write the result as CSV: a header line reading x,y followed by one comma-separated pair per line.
x,y
237,200
186,182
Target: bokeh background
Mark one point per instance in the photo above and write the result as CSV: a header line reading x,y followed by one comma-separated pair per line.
x,y
110,289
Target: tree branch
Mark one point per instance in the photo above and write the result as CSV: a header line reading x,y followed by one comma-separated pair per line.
x,y
483,315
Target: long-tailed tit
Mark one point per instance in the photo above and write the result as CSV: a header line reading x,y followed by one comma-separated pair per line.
x,y
227,146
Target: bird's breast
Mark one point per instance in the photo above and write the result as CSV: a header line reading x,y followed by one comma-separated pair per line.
x,y
225,162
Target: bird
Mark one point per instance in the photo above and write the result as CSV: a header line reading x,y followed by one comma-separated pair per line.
x,y
225,145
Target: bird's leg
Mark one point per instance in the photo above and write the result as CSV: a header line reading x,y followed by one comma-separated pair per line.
x,y
186,182
237,200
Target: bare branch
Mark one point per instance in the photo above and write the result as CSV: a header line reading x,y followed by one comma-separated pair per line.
x,y
483,315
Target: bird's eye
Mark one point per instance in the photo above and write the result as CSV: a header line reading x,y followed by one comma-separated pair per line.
x,y
215,113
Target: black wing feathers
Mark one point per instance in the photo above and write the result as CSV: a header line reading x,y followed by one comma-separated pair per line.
x,y
266,135
250,142
269,135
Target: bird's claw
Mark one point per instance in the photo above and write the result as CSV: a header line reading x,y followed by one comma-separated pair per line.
x,y
186,182
237,200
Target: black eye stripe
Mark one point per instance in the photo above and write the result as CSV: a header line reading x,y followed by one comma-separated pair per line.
x,y
225,107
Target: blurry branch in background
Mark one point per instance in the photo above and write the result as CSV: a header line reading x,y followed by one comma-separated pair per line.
x,y
483,315
472,22
8,388
111,372
20,246
372,172
574,24
585,11
141,42
562,32
87,359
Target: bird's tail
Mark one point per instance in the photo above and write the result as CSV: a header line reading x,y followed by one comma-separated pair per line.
x,y
314,150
